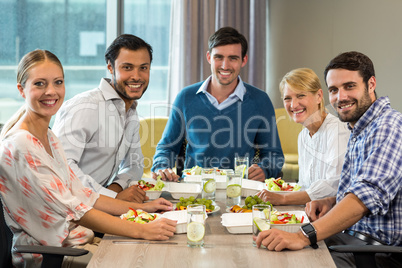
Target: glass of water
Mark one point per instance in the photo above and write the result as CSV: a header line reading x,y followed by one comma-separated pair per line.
x,y
261,219
233,189
195,225
208,183
241,166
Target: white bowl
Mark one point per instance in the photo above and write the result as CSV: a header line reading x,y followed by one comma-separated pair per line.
x,y
283,192
151,194
250,187
181,217
292,228
237,223
185,190
241,223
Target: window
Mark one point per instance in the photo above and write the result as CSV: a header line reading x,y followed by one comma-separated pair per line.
x,y
75,31
150,20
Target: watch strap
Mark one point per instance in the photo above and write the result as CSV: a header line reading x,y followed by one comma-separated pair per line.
x,y
312,235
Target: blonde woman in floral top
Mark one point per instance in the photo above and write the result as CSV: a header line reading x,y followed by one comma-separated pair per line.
x,y
44,201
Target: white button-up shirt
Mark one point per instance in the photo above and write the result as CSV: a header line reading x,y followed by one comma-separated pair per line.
x,y
100,138
321,157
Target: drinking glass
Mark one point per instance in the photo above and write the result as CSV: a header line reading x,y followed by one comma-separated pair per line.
x,y
195,225
261,214
233,189
208,183
241,166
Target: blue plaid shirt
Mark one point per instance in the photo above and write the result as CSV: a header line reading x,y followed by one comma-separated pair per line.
x,y
373,171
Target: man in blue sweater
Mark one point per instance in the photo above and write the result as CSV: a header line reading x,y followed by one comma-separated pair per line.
x,y
221,117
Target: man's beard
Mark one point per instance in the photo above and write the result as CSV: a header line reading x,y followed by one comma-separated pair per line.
x,y
361,107
121,90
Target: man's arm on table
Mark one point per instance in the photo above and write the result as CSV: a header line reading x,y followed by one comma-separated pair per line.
x,y
291,198
343,215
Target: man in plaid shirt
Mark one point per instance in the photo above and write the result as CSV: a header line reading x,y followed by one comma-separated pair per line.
x,y
368,206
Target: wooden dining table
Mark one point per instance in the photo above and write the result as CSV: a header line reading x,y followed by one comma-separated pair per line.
x,y
222,249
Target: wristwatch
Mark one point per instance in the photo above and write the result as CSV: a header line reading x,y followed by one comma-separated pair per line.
x,y
309,231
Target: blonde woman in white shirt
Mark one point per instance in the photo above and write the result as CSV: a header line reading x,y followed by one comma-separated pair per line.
x,y
321,144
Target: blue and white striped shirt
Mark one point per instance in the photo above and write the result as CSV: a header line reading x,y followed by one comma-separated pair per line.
x,y
373,171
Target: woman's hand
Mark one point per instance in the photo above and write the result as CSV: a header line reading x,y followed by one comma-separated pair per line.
x,y
159,204
160,229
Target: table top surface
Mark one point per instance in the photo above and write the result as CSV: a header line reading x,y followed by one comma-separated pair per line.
x,y
221,249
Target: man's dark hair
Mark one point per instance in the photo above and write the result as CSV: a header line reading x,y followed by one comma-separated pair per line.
x,y
228,36
352,61
127,41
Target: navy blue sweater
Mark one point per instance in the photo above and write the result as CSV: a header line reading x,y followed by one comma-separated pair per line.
x,y
215,136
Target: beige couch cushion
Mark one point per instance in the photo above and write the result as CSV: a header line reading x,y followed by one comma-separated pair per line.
x,y
288,133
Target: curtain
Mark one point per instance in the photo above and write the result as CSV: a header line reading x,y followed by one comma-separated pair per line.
x,y
193,21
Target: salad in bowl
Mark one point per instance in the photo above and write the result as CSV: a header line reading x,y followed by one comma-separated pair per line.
x,y
139,216
279,185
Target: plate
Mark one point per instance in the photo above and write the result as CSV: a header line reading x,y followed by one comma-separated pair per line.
x,y
217,208
228,210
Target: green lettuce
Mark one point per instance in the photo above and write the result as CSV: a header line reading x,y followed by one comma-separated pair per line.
x,y
158,185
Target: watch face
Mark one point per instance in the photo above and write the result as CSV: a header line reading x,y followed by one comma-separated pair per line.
x,y
310,232
308,228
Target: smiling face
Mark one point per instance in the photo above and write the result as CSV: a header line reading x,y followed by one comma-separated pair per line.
x,y
226,62
44,89
130,76
301,105
349,95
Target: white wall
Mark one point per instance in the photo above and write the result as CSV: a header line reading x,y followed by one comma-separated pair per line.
x,y
309,33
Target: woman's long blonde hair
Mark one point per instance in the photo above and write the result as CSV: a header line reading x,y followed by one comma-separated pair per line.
x,y
303,79
27,63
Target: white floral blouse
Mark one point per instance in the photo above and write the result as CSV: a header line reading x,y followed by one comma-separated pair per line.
x,y
41,195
